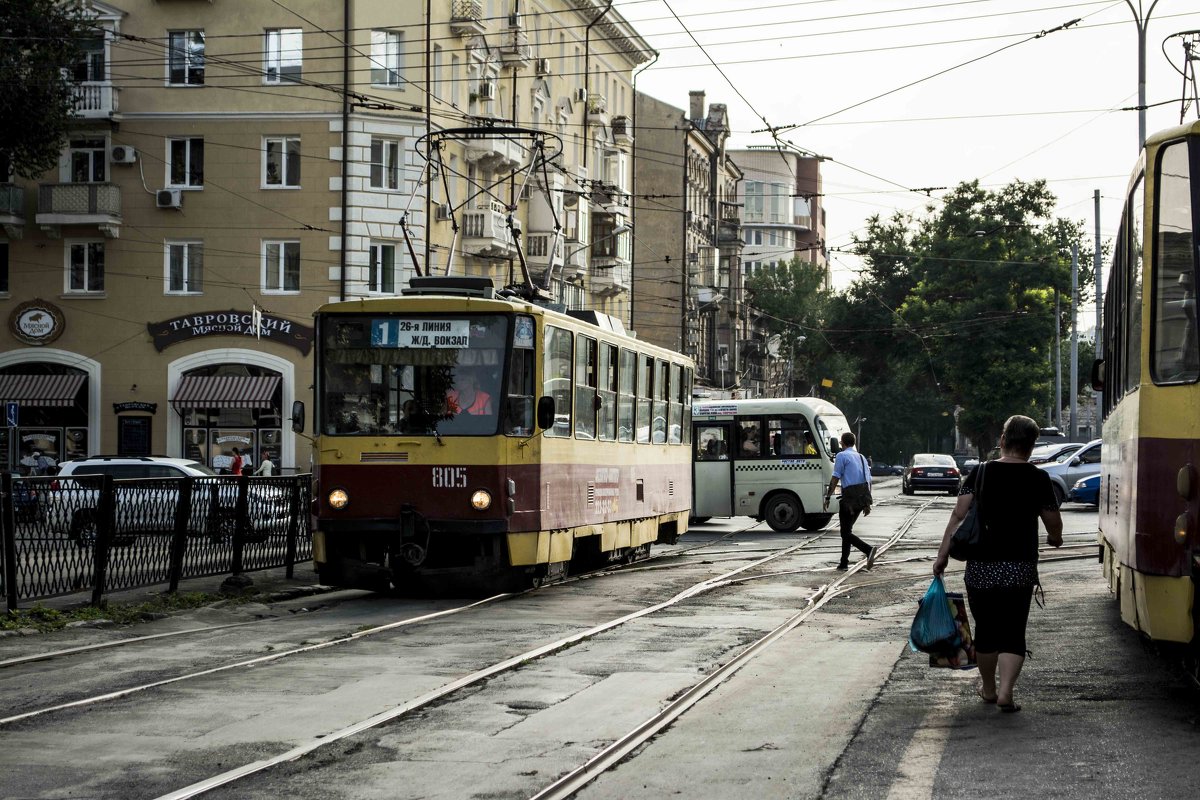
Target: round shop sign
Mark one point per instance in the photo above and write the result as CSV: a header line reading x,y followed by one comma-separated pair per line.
x,y
36,322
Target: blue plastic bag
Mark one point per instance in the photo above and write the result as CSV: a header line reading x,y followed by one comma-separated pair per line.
x,y
934,629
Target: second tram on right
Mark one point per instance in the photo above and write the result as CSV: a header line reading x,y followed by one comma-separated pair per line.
x,y
1149,374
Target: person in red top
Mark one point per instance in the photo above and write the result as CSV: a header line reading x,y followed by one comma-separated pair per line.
x,y
235,465
467,397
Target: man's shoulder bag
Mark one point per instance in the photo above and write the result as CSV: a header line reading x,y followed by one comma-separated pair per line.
x,y
967,541
857,497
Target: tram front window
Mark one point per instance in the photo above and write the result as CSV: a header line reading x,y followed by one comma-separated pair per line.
x,y
412,375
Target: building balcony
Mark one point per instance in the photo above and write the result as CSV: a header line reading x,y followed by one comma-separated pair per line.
x,y
466,18
95,99
486,233
543,246
597,109
791,221
610,282
515,51
12,210
96,204
622,131
729,226
495,152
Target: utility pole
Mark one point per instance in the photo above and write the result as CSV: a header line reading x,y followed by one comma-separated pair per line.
x,y
1142,23
1097,264
1057,361
1074,341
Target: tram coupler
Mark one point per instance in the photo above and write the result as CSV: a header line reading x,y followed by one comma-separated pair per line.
x,y
410,551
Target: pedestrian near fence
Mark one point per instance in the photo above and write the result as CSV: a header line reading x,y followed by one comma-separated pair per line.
x,y
1001,579
850,468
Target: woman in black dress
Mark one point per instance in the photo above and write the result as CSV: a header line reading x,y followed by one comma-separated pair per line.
x,y
1001,580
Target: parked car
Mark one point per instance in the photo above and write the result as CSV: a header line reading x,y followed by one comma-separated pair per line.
x,y
1083,463
881,470
148,506
1086,491
931,471
1053,452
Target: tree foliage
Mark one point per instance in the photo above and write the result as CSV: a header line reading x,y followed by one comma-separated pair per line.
x,y
40,46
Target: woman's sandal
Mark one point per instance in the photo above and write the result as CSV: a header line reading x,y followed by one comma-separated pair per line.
x,y
984,697
1008,708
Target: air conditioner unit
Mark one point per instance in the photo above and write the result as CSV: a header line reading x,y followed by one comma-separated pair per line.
x,y
487,90
443,212
514,21
169,198
543,66
123,154
581,95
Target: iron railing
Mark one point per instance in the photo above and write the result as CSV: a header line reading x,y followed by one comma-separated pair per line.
x,y
92,533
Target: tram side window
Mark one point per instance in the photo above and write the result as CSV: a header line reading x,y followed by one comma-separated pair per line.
x,y
627,392
607,391
556,377
644,376
518,414
675,417
662,390
1133,298
1174,355
585,388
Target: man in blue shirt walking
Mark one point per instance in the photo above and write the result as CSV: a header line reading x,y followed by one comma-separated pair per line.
x,y
850,468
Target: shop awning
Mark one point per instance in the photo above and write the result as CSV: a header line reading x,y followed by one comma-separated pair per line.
x,y
225,391
41,390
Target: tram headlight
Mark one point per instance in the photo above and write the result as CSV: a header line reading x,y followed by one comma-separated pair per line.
x,y
338,499
481,500
1181,528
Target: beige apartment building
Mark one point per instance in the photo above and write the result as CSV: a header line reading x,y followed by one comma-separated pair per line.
x,y
234,166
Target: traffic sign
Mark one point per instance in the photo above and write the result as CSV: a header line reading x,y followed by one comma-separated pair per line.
x,y
10,414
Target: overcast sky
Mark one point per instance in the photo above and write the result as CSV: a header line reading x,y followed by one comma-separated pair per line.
x,y
1042,108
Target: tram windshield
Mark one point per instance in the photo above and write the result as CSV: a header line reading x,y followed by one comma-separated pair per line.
x,y
413,374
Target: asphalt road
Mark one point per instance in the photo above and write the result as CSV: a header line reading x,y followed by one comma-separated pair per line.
x,y
837,707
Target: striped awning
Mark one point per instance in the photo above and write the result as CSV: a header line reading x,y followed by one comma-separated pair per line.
x,y
41,390
225,391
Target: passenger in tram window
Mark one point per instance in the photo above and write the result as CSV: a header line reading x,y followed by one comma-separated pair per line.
x,y
467,397
750,443
791,444
810,447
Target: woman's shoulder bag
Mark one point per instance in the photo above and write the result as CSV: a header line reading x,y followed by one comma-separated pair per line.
x,y
967,541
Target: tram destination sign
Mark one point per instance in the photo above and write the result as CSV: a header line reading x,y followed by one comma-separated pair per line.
x,y
230,323
421,333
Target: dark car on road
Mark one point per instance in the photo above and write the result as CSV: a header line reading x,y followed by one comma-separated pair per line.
x,y
931,472
1086,491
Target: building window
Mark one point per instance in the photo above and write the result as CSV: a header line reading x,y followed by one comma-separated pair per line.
x,y
281,267
284,48
89,67
89,159
381,276
185,162
281,162
387,58
185,267
385,164
185,62
85,267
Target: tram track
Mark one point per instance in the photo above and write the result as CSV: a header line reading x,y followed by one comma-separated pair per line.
x,y
813,601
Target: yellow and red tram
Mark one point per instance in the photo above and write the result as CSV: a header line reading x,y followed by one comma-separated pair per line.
x,y
465,437
1150,376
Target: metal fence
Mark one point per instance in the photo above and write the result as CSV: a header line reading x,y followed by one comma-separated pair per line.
x,y
93,533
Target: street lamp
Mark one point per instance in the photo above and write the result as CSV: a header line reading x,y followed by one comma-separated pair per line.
x,y
858,432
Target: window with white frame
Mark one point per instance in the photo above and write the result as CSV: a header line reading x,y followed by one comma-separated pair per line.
x,y
184,268
283,51
281,162
185,162
387,58
381,276
88,159
185,58
385,163
85,267
281,267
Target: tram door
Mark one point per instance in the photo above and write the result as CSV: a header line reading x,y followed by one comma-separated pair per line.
x,y
712,469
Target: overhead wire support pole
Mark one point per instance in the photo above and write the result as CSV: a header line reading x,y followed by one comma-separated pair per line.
x,y
1142,22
